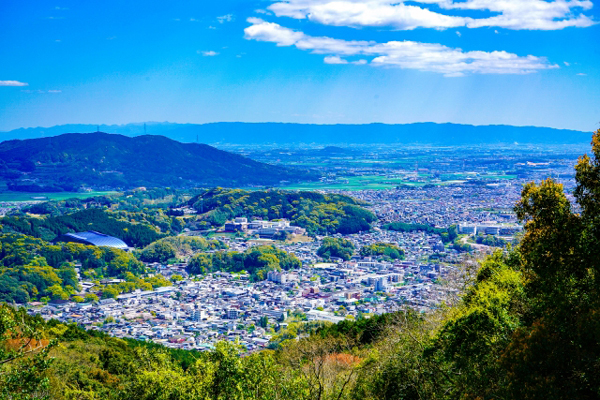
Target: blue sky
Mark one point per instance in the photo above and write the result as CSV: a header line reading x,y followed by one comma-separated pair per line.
x,y
519,62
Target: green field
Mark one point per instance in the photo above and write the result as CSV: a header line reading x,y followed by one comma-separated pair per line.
x,y
24,196
366,182
380,182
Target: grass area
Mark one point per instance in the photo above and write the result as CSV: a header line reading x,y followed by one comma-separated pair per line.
x,y
213,235
25,196
300,239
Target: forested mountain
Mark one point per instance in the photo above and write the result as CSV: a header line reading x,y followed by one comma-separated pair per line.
x,y
100,160
287,133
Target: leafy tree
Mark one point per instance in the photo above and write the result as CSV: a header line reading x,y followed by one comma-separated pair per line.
x,y
335,247
256,261
110,293
23,357
91,297
387,250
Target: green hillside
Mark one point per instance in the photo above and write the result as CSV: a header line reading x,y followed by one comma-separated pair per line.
x,y
317,213
104,161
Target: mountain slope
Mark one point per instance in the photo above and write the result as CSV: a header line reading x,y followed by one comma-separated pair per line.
x,y
284,133
102,160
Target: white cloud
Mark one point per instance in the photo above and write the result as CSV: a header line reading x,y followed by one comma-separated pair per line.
x,y
566,63
13,83
271,32
377,13
581,74
334,60
396,14
458,34
402,54
54,91
209,53
225,18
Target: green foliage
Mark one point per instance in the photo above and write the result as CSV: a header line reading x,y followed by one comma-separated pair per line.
x,y
178,247
363,331
386,250
31,268
257,261
460,246
490,240
24,360
336,247
317,213
92,365
49,228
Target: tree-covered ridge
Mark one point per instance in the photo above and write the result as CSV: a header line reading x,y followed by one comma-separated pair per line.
x,y
100,160
336,247
317,213
388,251
134,200
177,247
49,228
256,261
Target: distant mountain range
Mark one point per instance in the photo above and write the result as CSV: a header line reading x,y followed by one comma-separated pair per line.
x,y
289,134
101,160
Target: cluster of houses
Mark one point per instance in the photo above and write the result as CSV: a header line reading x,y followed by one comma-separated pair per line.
x,y
195,314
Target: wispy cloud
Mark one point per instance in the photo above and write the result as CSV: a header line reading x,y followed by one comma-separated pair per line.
x,y
38,91
13,83
513,14
209,53
406,54
334,60
225,18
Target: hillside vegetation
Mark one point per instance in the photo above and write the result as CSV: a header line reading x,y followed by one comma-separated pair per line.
x,y
99,160
256,261
317,213
49,228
